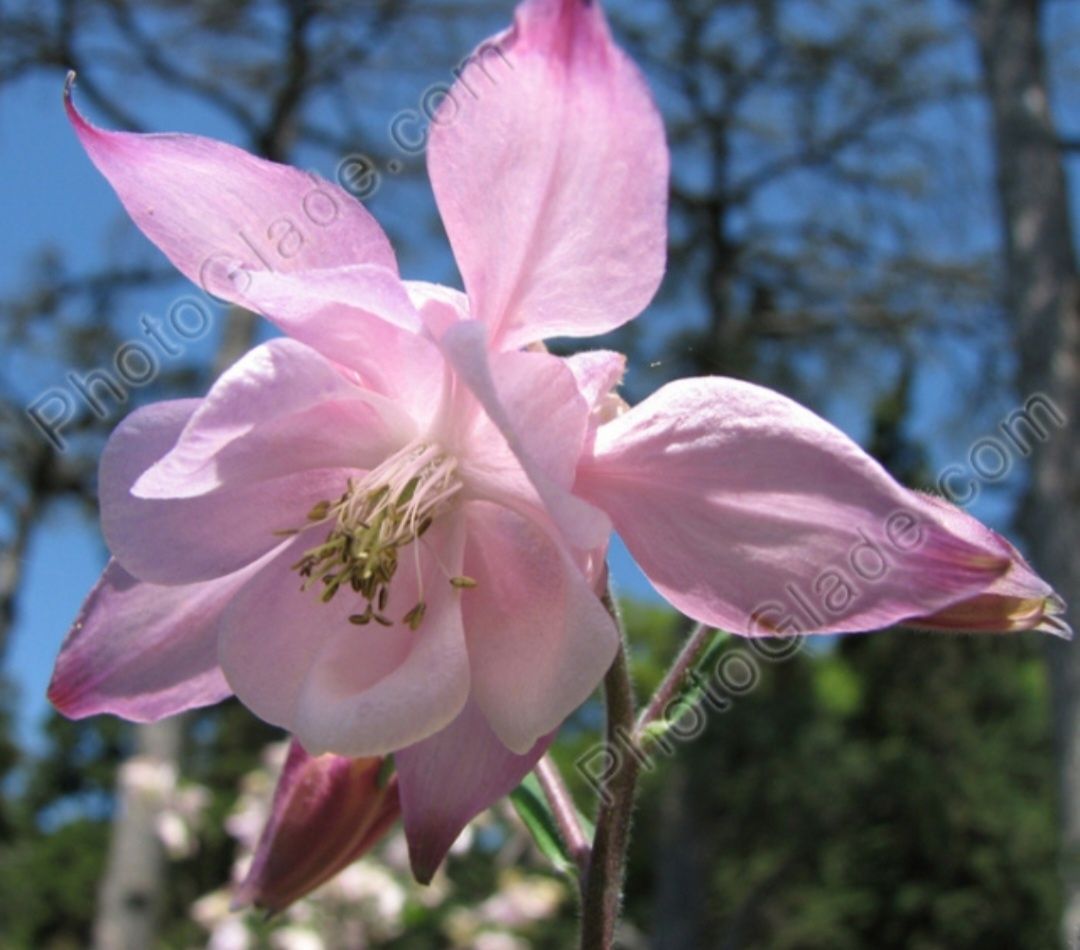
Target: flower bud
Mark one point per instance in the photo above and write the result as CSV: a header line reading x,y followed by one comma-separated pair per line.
x,y
328,810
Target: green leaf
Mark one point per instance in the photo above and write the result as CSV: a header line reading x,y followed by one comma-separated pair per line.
x,y
531,805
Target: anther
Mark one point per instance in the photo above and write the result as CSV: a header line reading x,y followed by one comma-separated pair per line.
x,y
463,582
377,516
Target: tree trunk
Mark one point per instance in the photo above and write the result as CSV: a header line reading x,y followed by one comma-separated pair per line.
x,y
1043,293
132,892
681,869
129,903
12,559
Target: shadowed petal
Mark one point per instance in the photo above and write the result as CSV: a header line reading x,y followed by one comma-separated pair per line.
x,y
216,211
448,779
749,512
328,811
550,171
143,651
539,639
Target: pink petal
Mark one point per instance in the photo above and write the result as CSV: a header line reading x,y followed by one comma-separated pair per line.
x,y
362,317
439,307
183,541
328,811
550,171
424,294
141,651
272,632
448,779
749,512
1018,600
216,211
597,373
300,664
343,312
533,424
281,409
332,306
539,639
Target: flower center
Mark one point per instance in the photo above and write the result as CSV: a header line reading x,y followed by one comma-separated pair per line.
x,y
389,508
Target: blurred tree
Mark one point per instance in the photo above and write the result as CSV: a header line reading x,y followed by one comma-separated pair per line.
x,y
1042,287
826,210
52,855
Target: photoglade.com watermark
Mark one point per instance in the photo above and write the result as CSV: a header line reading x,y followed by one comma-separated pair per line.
x,y
781,624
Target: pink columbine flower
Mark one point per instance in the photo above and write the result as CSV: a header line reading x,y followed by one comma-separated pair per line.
x,y
384,532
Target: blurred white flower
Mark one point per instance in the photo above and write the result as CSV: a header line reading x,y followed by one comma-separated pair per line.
x,y
296,938
231,934
149,777
520,900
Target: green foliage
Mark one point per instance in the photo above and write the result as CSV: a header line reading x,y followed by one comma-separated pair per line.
x,y
532,808
57,828
892,791
49,884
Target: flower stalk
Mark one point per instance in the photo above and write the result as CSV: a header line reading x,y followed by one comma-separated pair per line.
x,y
564,812
696,644
602,888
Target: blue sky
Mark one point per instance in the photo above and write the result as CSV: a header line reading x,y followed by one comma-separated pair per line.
x,y
50,195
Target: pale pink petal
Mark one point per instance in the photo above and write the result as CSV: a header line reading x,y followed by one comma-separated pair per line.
x,y
373,690
550,171
353,690
142,651
439,307
332,309
281,409
183,541
539,639
533,425
216,211
363,317
424,294
448,779
597,373
749,512
328,810
273,630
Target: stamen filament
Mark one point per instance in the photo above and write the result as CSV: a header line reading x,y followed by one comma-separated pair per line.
x,y
389,508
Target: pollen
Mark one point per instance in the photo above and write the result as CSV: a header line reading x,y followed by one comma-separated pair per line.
x,y
375,518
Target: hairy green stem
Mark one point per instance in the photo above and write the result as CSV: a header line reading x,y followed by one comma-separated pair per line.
x,y
602,887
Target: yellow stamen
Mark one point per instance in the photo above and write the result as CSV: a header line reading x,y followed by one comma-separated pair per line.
x,y
390,508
